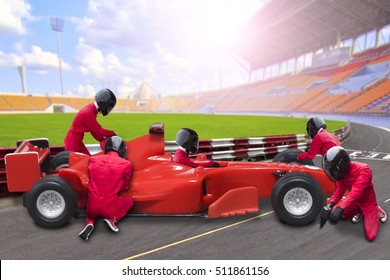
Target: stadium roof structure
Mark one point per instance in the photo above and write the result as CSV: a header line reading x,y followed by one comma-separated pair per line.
x,y
285,29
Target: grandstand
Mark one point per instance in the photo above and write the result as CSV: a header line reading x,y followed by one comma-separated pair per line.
x,y
361,87
340,80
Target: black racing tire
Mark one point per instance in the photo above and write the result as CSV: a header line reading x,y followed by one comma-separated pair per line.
x,y
60,160
51,202
297,198
280,157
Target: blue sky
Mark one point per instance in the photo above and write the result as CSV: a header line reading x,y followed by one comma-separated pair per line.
x,y
173,45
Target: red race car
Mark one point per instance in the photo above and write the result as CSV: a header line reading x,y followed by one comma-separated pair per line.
x,y
161,187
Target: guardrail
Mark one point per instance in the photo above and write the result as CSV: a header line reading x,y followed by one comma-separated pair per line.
x,y
250,148
254,148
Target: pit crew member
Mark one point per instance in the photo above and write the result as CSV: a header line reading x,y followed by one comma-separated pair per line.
x,y
108,174
322,140
355,177
85,121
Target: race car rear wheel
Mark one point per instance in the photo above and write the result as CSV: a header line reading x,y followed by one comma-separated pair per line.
x,y
51,202
297,198
280,157
60,160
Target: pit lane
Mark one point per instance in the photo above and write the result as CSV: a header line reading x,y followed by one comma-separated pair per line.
x,y
259,236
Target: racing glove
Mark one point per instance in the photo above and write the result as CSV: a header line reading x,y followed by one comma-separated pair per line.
x,y
325,214
335,215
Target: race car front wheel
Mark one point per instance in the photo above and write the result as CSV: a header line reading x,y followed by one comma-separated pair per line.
x,y
51,202
297,198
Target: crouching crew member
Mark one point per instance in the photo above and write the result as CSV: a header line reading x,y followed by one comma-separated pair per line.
x,y
188,141
85,121
355,177
108,174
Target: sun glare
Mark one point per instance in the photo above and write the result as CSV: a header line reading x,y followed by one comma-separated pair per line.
x,y
222,19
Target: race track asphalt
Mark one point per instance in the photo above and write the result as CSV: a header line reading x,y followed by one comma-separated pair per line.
x,y
251,237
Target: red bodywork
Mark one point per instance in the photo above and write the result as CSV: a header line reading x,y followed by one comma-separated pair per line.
x,y
159,186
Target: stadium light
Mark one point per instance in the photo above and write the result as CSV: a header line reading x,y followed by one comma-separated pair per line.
x,y
57,25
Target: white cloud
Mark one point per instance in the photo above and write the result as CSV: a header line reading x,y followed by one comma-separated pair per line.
x,y
91,60
42,59
37,60
170,44
170,60
165,43
7,60
86,90
98,65
109,23
12,14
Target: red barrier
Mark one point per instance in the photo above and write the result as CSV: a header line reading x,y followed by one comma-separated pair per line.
x,y
253,148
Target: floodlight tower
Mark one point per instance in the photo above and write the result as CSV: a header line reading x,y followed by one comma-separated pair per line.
x,y
57,25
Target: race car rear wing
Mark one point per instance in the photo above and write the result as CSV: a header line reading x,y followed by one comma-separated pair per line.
x,y
23,167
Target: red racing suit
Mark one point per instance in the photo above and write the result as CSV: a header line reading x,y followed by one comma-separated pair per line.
x,y
108,174
182,157
360,199
85,121
322,142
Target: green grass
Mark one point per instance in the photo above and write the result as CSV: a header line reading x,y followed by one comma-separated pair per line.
x,y
15,127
